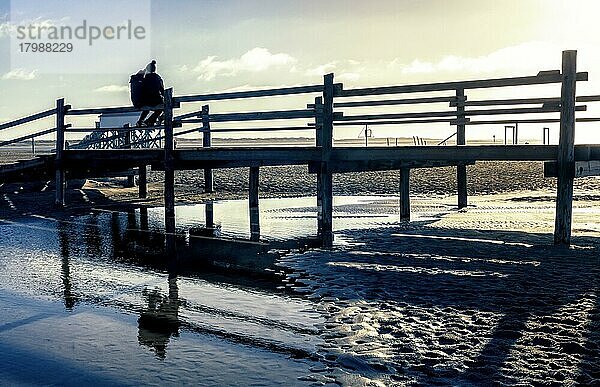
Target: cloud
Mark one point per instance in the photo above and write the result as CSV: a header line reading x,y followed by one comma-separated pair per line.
x,y
322,69
255,60
348,77
530,55
112,89
21,74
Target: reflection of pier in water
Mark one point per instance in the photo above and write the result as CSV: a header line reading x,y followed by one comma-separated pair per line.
x,y
130,239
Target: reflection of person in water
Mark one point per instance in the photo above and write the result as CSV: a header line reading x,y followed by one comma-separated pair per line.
x,y
160,320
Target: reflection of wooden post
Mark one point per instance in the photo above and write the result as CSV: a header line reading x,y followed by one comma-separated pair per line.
x,y
405,194
169,176
60,146
209,215
253,203
461,169
566,151
206,143
326,178
143,181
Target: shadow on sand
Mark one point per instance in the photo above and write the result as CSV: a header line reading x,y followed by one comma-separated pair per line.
x,y
536,306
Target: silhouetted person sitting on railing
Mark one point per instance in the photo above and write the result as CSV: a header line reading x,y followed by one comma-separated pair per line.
x,y
147,93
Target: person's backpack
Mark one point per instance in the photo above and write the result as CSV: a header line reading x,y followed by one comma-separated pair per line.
x,y
135,87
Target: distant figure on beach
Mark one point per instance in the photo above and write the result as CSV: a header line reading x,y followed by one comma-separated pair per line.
x,y
147,93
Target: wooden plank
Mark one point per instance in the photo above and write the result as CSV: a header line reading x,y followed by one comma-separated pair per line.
x,y
169,183
27,137
206,143
379,165
588,98
406,101
405,194
105,110
519,101
566,151
253,201
255,116
525,121
115,129
461,170
398,122
475,84
251,94
326,176
30,118
484,112
305,155
274,129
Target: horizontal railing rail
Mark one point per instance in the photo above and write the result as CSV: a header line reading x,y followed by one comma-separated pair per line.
x,y
27,137
251,93
30,118
553,76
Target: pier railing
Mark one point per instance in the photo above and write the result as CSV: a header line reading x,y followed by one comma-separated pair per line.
x,y
332,106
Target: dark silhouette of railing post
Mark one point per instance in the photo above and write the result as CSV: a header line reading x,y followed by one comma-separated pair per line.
x,y
253,182
404,193
318,143
461,169
60,146
566,151
143,181
325,177
169,161
206,143
127,145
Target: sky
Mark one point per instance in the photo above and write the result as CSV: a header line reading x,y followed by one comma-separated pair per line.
x,y
217,45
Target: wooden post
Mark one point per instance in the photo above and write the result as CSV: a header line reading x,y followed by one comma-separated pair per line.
x,y
127,145
60,146
169,176
326,178
566,154
206,143
253,203
319,142
405,194
33,146
143,182
461,169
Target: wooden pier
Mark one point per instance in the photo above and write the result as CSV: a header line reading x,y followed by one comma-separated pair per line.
x,y
330,106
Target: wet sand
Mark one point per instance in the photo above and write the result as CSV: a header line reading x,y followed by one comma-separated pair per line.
x,y
472,297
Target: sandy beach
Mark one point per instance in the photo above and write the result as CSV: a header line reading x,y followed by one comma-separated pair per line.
x,y
472,297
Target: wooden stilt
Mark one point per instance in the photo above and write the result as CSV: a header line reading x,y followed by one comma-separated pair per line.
x,y
206,143
253,181
169,176
143,182
60,180
405,194
566,153
326,177
461,170
319,142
